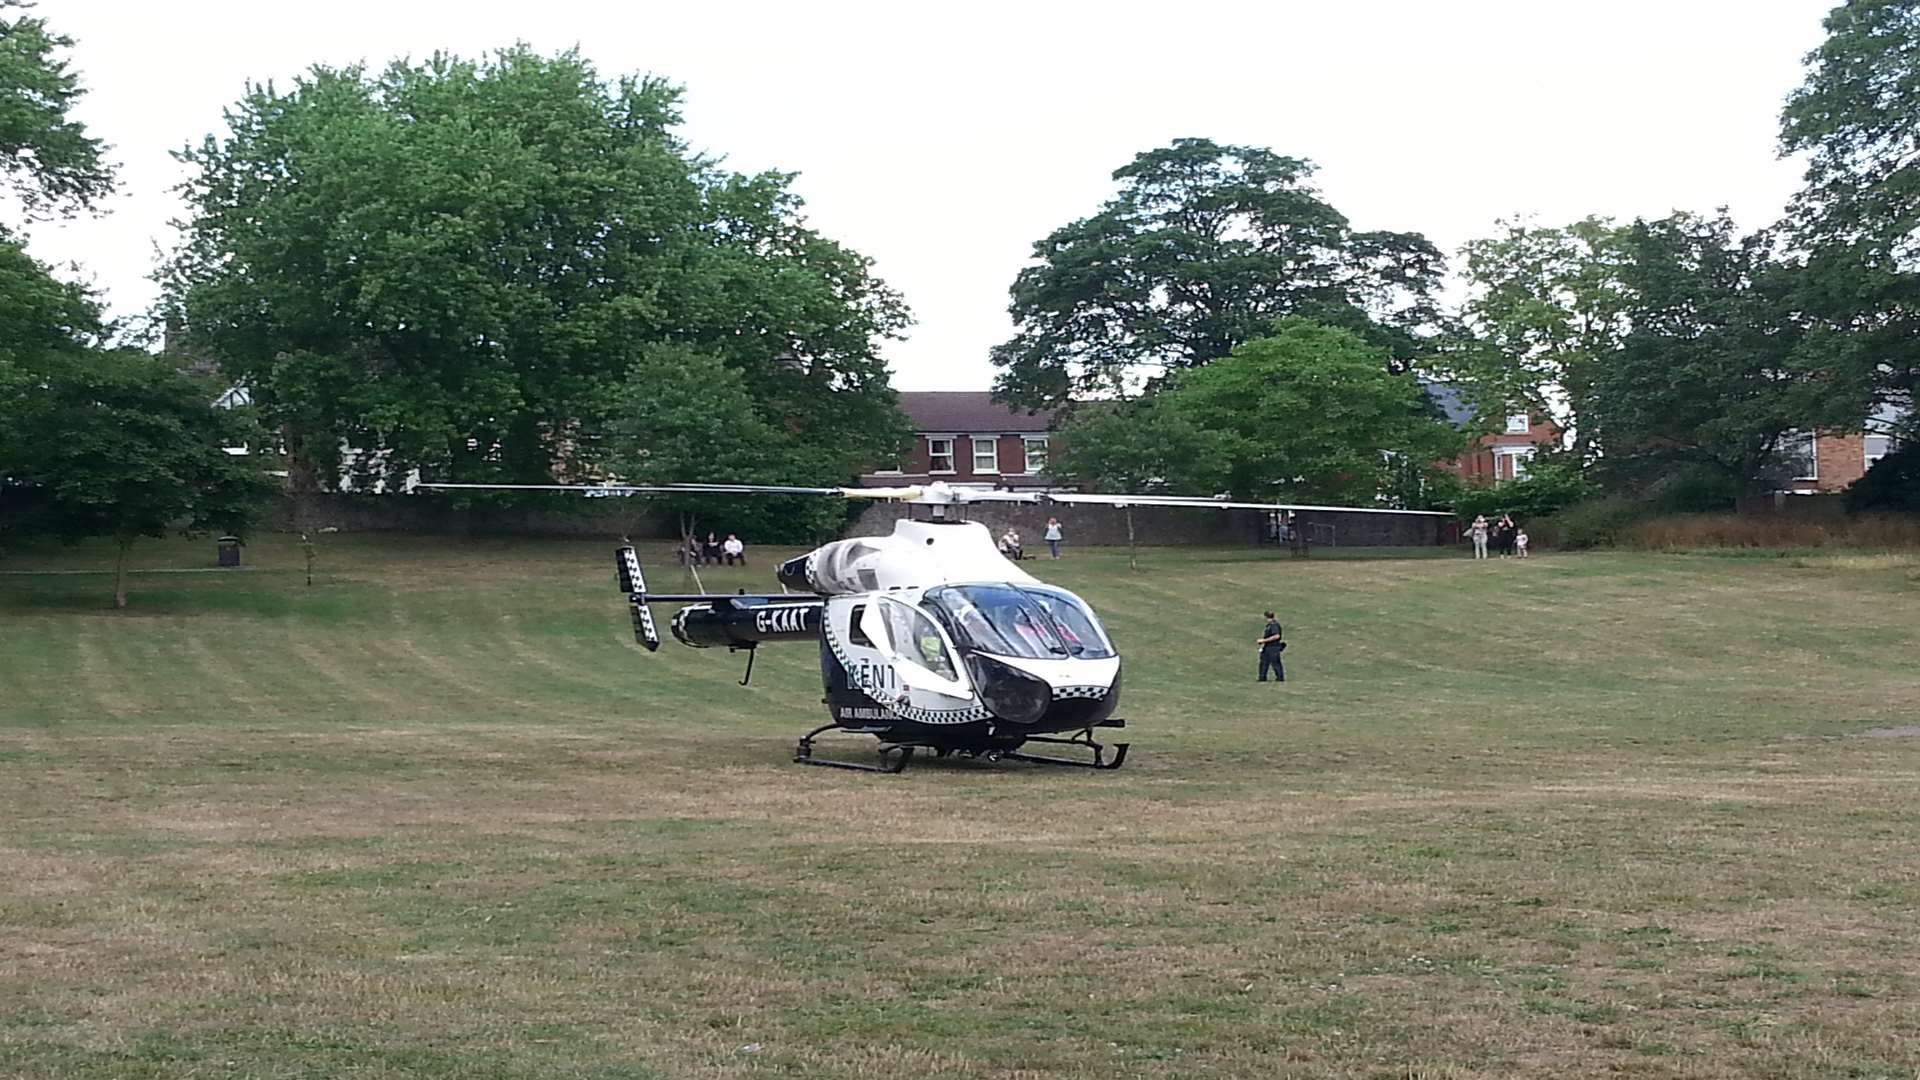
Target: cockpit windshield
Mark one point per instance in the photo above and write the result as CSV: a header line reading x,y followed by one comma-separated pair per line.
x,y
1034,622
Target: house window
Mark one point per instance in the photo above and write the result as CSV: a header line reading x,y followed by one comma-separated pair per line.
x,y
1878,446
1510,462
1799,454
1036,446
986,454
939,455
1518,424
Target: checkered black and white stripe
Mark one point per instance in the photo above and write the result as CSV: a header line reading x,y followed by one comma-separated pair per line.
x,y
1064,692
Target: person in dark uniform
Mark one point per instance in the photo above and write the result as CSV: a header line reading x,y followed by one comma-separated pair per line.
x,y
1270,649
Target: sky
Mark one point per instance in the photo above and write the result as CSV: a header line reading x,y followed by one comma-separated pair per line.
x,y
942,141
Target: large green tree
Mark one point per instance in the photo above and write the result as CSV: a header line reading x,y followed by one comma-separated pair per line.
x,y
47,157
1307,413
458,262
683,416
51,165
1140,445
1204,246
118,443
1722,363
1545,309
1857,120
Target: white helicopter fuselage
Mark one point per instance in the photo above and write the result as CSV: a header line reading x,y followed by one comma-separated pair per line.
x,y
932,626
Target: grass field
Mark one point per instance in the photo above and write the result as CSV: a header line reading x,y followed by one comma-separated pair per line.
x,y
437,816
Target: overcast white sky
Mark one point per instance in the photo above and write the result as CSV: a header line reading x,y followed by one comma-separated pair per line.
x,y
942,141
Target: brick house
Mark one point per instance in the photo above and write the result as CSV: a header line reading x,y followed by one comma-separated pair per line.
x,y
965,437
1501,454
1825,462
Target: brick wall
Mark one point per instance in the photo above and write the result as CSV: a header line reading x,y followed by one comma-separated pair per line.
x,y
1842,460
1106,526
432,516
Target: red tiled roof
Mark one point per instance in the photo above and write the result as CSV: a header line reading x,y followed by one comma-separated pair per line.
x,y
967,410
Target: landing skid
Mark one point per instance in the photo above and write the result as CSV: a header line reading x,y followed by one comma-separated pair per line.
x,y
1084,740
893,756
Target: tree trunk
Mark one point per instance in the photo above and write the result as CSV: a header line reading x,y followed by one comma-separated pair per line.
x,y
120,573
1133,552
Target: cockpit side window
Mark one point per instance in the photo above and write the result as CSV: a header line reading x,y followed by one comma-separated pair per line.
x,y
915,638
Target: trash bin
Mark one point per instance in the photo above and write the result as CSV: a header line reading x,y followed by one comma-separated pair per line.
x,y
229,550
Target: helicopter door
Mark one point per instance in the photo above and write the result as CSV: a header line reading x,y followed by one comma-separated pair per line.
x,y
854,633
920,655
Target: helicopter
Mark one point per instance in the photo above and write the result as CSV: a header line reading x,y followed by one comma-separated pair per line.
x,y
929,638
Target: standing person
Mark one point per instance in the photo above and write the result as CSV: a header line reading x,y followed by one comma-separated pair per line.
x,y
1054,536
710,551
735,550
1520,543
1478,530
1503,533
1270,649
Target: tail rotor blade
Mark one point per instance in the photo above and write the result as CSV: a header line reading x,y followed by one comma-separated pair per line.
x,y
634,584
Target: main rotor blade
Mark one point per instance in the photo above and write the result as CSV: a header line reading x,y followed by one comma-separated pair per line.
x,y
1200,503
646,489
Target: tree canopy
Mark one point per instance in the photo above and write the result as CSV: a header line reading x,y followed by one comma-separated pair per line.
x,y
1308,413
117,443
1721,362
1545,310
1857,119
47,157
1204,246
684,416
458,262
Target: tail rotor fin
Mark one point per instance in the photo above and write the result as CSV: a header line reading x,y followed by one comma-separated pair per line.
x,y
634,584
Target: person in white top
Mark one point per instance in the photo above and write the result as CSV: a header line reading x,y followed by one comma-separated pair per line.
x,y
1520,544
1054,536
1010,544
736,551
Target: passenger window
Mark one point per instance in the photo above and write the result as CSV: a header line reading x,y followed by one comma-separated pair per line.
x,y
915,638
858,634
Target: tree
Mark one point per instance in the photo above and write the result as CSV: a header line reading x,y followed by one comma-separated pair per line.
x,y
47,157
1202,249
684,416
1891,486
1545,310
40,315
536,228
117,443
1309,413
1721,365
1140,446
1857,118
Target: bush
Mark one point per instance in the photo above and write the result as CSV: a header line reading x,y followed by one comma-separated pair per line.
x,y
1779,532
1891,486
1601,522
1553,482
